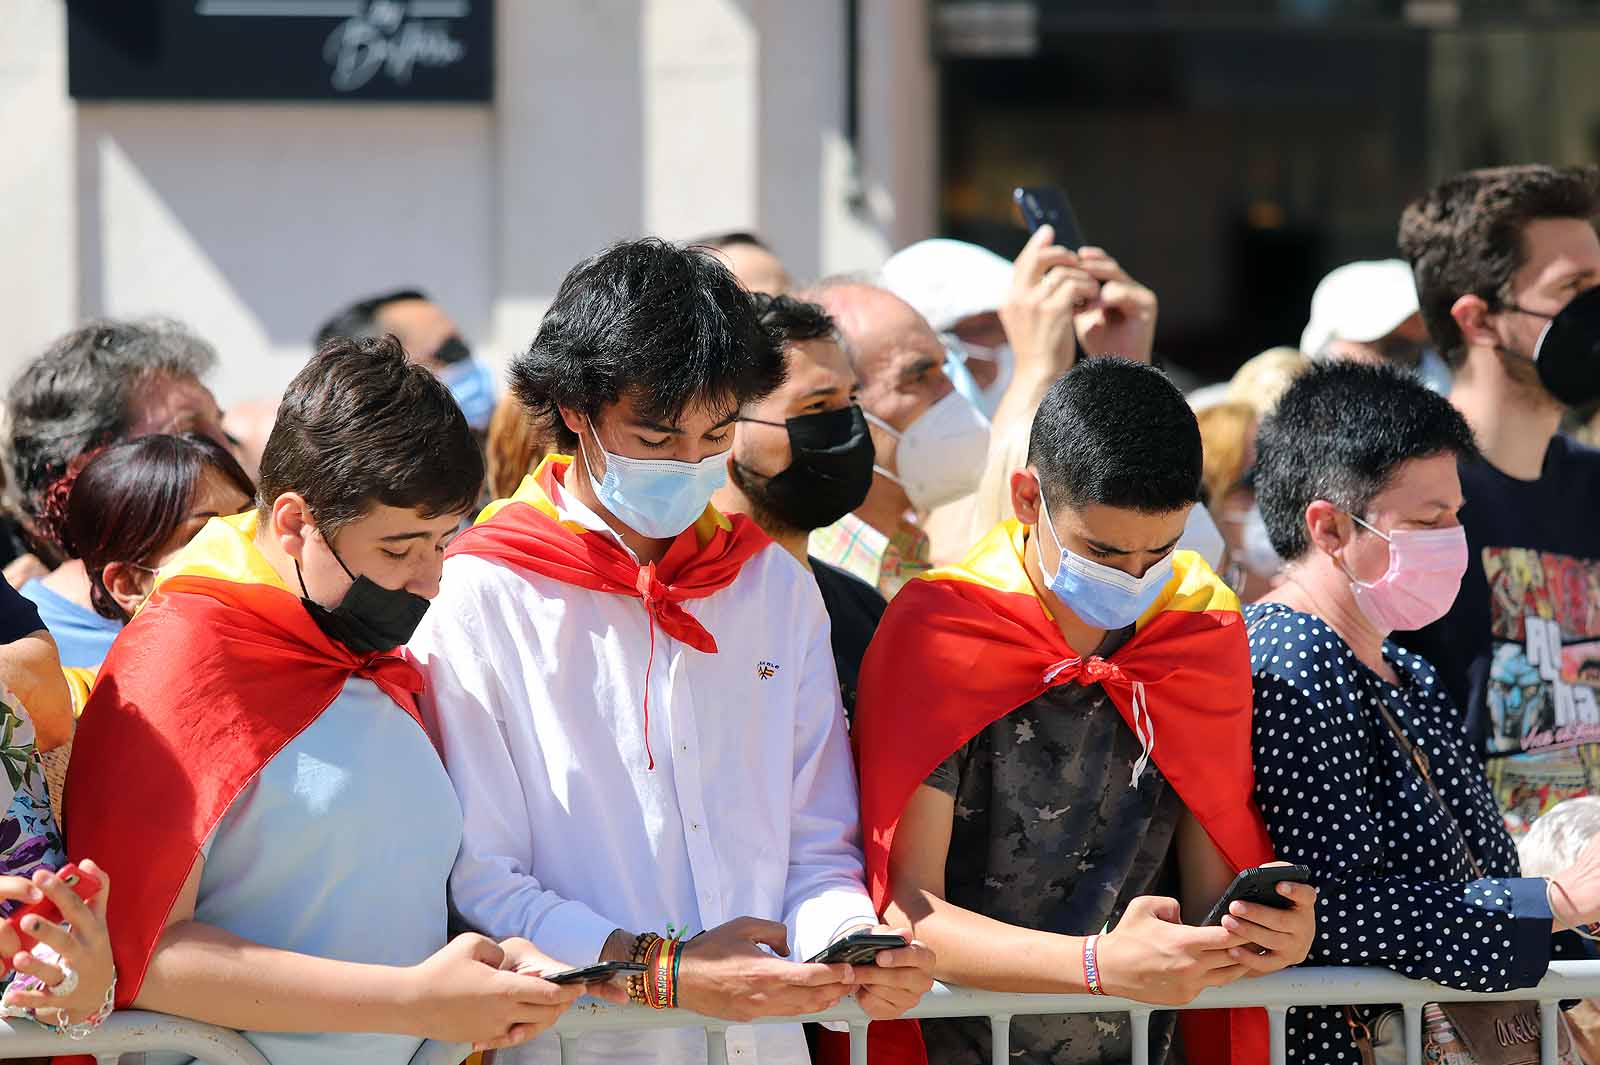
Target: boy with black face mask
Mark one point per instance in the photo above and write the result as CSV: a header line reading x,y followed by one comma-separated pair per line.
x,y
1508,278
801,460
253,766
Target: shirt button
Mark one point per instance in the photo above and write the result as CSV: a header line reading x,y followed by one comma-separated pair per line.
x,y
695,826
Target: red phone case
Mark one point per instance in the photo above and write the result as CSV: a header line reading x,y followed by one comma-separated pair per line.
x,y
82,884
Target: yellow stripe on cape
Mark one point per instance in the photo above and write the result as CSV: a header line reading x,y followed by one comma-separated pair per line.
x,y
996,562
224,549
531,491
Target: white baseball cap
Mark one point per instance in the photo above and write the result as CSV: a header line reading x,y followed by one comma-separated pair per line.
x,y
947,280
1361,301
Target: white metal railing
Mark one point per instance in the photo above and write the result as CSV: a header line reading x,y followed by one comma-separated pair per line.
x,y
1279,992
135,1031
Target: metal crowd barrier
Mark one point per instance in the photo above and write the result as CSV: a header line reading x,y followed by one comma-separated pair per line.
x,y
136,1031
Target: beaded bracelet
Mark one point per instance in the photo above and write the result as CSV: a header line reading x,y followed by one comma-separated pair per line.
x,y
1091,967
637,985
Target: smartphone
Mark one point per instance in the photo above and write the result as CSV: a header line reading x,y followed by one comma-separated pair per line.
x,y
1048,205
1259,885
83,885
596,974
859,948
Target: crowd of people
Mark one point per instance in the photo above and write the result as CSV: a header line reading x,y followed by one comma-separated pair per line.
x,y
759,614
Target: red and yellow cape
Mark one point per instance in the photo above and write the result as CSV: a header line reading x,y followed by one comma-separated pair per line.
x,y
219,672
964,645
526,532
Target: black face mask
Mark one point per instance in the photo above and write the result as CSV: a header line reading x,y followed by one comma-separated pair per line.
x,y
1567,355
828,476
370,619
453,350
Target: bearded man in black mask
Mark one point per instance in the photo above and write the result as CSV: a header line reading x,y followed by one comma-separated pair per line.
x,y
1507,266
801,460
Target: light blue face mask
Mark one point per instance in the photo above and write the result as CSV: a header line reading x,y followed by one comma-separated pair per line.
x,y
1102,596
658,498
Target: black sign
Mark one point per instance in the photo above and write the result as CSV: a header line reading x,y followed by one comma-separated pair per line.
x,y
352,50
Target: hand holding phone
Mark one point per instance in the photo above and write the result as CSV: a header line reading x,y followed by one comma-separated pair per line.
x,y
1260,886
83,885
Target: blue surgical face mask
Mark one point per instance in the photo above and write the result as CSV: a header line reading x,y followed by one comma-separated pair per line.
x,y
1102,596
658,498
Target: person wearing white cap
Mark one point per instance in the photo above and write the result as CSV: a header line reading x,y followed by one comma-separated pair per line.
x,y
1011,329
959,288
1367,311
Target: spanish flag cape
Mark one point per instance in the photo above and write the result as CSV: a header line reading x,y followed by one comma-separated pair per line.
x,y
526,532
963,646
218,673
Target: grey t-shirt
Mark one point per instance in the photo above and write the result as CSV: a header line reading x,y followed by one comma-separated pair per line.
x,y
1049,834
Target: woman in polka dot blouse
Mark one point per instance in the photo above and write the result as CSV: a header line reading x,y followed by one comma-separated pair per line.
x,y
1357,482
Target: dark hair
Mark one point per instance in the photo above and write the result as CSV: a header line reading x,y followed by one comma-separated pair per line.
x,y
360,319
1339,433
78,395
669,326
129,499
360,426
1465,236
795,320
733,238
1116,433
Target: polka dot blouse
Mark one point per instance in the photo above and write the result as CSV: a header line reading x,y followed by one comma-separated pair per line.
x,y
1339,795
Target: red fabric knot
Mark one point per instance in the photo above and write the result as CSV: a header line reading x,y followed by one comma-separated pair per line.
x,y
1091,670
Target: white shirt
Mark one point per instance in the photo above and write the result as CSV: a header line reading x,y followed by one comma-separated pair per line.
x,y
538,689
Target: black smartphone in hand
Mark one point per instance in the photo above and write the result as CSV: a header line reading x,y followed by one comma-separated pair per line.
x,y
1259,885
598,973
859,948
1048,205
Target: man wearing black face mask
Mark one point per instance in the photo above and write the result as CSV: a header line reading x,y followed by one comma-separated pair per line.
x,y
1508,278
801,460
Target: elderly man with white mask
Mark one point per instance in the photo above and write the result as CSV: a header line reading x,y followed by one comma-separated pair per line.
x,y
1009,330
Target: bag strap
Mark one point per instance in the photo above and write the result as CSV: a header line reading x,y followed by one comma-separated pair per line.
x,y
1419,759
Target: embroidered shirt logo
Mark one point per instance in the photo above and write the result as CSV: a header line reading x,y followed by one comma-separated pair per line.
x,y
766,670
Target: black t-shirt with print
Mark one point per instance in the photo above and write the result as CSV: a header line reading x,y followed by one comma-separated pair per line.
x,y
1520,649
854,610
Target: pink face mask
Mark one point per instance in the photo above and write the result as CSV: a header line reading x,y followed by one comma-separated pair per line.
x,y
1424,576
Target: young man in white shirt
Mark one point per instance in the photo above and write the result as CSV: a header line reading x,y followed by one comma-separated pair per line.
x,y
636,695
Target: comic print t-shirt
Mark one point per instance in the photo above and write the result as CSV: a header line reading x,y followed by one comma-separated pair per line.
x,y
1520,650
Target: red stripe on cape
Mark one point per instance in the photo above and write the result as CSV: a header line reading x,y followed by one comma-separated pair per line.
x,y
210,681
962,647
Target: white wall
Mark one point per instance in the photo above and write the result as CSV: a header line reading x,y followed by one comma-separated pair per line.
x,y
612,118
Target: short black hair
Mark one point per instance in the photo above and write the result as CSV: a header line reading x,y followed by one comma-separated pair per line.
x,y
1340,433
733,238
795,320
360,319
1465,236
1116,433
361,426
78,395
669,326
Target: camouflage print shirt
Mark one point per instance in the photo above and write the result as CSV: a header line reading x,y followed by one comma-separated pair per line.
x,y
1049,834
